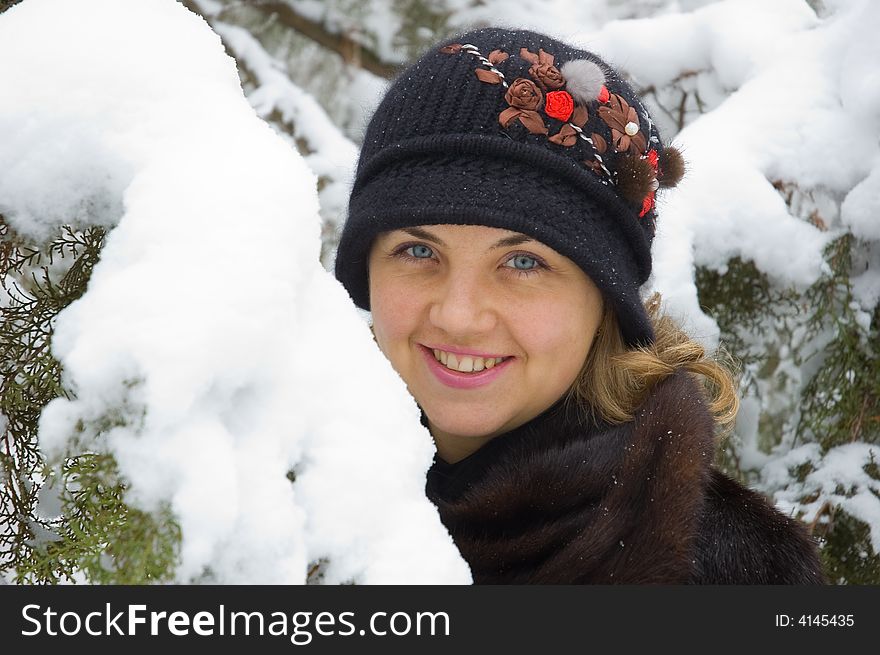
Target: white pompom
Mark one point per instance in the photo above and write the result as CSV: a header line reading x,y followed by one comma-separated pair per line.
x,y
583,79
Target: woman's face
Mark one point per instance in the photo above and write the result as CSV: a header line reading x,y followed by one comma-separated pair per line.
x,y
487,327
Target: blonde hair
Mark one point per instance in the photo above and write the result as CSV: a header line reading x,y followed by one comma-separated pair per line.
x,y
615,379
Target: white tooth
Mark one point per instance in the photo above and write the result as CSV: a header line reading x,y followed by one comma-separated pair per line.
x,y
466,365
443,356
490,362
451,361
436,354
479,363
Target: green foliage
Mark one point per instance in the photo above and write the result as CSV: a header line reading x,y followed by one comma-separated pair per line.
x,y
755,318
847,556
91,533
841,403
739,298
774,330
99,535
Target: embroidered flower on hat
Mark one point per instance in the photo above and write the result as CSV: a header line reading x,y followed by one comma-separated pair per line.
x,y
524,97
568,134
624,123
564,94
559,105
545,74
523,94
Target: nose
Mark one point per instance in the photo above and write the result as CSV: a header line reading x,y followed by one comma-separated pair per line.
x,y
463,306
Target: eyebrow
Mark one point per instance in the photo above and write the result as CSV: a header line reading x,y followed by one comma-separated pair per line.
x,y
514,240
419,233
506,242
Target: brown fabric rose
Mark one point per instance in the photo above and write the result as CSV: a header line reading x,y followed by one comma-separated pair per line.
x,y
540,58
531,120
523,94
547,76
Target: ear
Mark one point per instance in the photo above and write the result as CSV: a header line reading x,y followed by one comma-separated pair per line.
x,y
672,167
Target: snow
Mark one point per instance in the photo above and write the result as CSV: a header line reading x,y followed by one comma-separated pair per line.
x,y
210,336
375,23
837,476
237,359
726,206
788,97
861,207
35,155
331,155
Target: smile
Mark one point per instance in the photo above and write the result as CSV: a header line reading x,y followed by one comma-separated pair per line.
x,y
464,370
465,363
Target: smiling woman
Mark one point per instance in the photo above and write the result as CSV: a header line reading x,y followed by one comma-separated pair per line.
x,y
488,327
499,230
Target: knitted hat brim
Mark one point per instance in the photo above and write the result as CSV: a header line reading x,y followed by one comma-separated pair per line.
x,y
464,189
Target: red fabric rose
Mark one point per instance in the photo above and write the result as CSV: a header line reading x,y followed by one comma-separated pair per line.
x,y
558,104
653,160
604,95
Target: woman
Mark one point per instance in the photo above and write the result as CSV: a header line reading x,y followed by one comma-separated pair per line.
x,y
499,230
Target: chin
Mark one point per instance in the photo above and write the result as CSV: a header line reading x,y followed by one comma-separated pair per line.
x,y
464,427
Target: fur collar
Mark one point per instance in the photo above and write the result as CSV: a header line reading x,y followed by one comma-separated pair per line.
x,y
561,500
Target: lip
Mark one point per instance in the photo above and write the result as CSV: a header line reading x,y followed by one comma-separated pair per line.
x,y
458,380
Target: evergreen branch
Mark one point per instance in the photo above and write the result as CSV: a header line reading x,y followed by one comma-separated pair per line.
x,y
97,533
351,50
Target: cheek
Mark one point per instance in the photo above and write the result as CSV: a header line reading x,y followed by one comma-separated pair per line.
x,y
559,332
548,328
392,315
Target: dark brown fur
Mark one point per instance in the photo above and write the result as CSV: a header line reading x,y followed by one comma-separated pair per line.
x,y
566,502
672,167
635,179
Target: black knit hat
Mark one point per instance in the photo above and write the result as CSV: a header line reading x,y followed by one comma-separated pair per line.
x,y
516,130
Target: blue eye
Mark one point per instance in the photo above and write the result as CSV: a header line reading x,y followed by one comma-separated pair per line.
x,y
523,263
420,252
